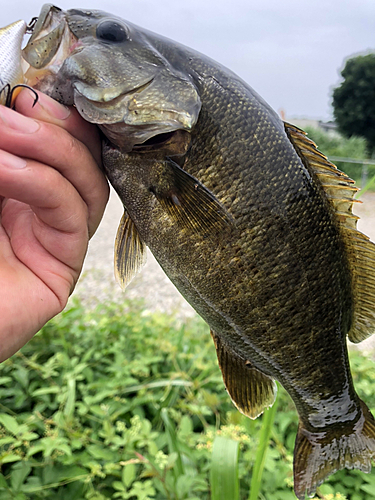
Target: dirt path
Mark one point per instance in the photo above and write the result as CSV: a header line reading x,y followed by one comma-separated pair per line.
x,y
97,283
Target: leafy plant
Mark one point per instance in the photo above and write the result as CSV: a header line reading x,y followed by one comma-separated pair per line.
x,y
114,404
339,146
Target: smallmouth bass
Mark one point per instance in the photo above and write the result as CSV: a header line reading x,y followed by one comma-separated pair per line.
x,y
248,219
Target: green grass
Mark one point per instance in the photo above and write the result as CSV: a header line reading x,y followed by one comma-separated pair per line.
x,y
113,404
224,469
339,146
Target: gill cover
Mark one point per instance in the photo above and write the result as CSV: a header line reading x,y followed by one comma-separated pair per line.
x,y
112,71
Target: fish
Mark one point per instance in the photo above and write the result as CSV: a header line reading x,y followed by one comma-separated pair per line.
x,y
11,71
249,220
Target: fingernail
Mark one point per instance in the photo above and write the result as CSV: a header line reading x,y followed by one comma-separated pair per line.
x,y
18,122
11,161
53,107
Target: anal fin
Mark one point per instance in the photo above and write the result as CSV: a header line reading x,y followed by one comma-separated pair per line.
x,y
130,251
250,390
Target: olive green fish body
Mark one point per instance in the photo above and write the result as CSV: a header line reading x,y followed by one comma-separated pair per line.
x,y
248,219
263,283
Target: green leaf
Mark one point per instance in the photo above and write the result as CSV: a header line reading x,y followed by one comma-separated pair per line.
x,y
118,486
70,402
3,483
29,436
10,423
20,496
368,488
5,380
32,485
18,475
7,440
8,458
173,443
33,450
356,496
54,389
256,479
224,469
370,478
183,485
128,474
22,376
101,453
326,489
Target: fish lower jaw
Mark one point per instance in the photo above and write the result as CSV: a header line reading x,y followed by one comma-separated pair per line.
x,y
128,137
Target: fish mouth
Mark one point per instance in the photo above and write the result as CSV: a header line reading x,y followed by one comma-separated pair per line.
x,y
171,138
173,144
137,103
125,127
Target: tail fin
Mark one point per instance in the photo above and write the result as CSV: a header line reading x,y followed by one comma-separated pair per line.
x,y
318,455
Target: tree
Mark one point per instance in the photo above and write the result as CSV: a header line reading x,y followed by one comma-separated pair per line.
x,y
354,100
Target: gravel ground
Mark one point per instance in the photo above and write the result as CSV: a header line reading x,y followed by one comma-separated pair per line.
x,y
97,283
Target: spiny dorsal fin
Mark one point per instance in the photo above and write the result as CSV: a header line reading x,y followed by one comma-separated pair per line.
x,y
130,251
250,390
340,191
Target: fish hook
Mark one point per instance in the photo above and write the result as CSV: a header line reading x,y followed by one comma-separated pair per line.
x,y
30,27
10,92
4,89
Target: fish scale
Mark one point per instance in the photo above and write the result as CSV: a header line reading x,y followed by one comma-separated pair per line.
x,y
247,218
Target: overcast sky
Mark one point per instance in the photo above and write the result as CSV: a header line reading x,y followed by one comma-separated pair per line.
x,y
290,51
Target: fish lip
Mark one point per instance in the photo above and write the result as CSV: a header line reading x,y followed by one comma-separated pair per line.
x,y
139,132
106,102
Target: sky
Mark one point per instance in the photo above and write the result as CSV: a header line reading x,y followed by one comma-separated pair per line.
x,y
291,51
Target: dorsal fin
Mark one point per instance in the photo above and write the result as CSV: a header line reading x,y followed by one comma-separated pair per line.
x,y
340,191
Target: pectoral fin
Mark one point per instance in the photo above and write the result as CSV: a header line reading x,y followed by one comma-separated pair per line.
x,y
130,251
188,201
250,390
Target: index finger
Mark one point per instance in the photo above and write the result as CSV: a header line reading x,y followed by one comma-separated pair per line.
x,y
64,141
50,111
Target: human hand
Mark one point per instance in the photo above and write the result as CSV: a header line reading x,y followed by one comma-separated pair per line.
x,y
52,198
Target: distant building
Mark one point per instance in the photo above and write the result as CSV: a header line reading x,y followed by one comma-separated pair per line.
x,y
329,127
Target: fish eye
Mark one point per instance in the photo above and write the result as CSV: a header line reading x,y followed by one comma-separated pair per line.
x,y
112,31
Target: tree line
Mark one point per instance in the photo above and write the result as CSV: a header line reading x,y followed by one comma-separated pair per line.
x,y
354,100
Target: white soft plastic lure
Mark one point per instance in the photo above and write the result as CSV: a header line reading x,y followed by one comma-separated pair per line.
x,y
11,73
